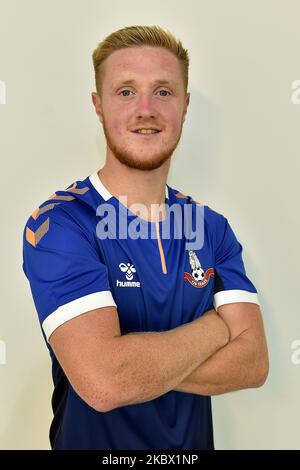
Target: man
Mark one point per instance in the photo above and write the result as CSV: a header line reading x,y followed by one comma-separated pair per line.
x,y
142,330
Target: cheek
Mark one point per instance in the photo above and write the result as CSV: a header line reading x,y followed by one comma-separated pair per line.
x,y
115,124
120,121
115,117
175,126
173,120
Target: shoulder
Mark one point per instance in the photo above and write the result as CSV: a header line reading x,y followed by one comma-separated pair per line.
x,y
63,211
215,225
211,215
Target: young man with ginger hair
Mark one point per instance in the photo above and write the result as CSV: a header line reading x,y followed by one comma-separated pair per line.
x,y
142,330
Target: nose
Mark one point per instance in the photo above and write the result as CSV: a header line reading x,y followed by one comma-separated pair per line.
x,y
146,106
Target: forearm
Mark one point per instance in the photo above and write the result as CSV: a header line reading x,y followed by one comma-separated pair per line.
x,y
236,366
147,365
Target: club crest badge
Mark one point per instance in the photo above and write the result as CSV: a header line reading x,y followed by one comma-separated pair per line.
x,y
198,278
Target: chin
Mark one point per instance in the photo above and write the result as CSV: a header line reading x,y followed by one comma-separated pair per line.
x,y
142,163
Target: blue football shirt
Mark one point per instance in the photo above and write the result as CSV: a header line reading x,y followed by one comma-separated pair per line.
x,y
76,262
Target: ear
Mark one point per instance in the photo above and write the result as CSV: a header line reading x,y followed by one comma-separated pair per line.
x,y
98,105
186,104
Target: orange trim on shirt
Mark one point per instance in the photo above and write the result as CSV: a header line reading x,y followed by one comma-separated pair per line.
x,y
161,250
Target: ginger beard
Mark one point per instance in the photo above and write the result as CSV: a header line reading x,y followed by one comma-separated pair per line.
x,y
146,163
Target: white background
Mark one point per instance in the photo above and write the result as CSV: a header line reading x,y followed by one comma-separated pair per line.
x,y
239,153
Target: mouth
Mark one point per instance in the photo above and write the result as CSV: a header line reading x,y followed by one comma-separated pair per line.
x,y
148,134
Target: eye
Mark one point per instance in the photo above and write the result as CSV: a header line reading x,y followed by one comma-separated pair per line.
x,y
164,91
124,91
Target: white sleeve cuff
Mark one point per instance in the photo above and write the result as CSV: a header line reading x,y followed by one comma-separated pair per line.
x,y
75,308
232,296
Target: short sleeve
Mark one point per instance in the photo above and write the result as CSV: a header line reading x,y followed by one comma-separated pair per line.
x,y
231,281
64,270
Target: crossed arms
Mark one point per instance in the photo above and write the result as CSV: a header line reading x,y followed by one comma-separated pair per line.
x,y
216,353
242,363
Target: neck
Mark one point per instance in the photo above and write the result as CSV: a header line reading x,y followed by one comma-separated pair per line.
x,y
139,187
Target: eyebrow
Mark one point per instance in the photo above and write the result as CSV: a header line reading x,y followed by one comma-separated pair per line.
x,y
156,82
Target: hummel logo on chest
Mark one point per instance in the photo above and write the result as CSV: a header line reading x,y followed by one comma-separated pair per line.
x,y
129,271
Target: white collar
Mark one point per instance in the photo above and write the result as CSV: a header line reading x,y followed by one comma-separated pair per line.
x,y
103,191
